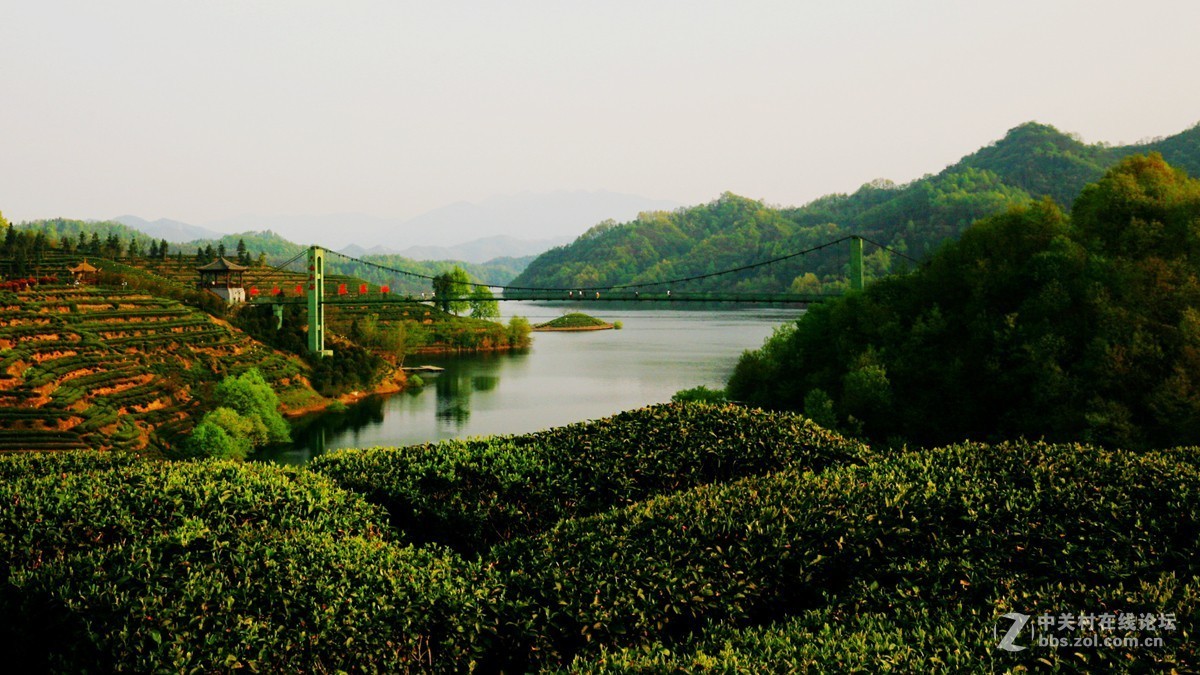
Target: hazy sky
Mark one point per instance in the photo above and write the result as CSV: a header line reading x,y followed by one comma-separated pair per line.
x,y
200,111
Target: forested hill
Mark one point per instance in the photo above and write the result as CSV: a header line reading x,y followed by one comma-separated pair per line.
x,y
1032,161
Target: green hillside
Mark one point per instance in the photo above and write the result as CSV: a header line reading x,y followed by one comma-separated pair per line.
x,y
1032,161
130,358
1035,323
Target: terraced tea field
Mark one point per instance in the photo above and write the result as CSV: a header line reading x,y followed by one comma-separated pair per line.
x,y
106,368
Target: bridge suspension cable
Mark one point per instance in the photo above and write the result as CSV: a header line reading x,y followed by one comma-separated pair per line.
x,y
277,270
645,284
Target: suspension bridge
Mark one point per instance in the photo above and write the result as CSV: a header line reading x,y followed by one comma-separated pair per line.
x,y
312,292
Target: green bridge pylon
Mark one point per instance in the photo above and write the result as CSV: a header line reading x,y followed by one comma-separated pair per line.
x,y
316,301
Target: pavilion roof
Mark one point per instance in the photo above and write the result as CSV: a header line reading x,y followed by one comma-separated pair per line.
x,y
82,267
222,265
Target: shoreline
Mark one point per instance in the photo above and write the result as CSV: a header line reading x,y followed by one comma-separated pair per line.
x,y
393,384
389,385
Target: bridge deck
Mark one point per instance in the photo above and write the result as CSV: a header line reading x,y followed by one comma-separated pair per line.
x,y
610,296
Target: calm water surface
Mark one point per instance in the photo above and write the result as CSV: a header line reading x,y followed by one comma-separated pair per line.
x,y
563,378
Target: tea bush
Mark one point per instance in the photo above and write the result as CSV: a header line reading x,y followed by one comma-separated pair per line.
x,y
472,494
900,563
915,638
118,564
958,527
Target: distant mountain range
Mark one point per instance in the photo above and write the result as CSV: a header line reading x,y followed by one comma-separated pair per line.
x,y
477,251
528,216
1032,161
173,231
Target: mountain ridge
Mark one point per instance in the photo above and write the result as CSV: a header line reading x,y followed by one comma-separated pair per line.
x,y
174,231
1029,162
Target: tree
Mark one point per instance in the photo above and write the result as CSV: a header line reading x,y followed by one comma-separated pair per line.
x,y
112,245
153,253
243,256
208,440
134,249
220,249
483,305
163,248
239,430
518,332
252,397
451,290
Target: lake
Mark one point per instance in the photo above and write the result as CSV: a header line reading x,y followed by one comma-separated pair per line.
x,y
565,377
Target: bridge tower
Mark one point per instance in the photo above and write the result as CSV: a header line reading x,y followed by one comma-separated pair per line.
x,y
856,263
316,301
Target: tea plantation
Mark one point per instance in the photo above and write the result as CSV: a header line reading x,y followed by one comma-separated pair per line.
x,y
675,538
109,368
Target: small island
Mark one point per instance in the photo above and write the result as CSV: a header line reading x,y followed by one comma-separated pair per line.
x,y
575,321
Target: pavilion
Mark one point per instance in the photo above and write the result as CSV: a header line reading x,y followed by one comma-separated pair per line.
x,y
223,278
84,272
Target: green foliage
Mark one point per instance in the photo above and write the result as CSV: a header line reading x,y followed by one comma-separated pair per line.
x,y
393,339
700,394
818,407
472,494
517,332
1032,324
247,419
483,306
452,291
217,436
252,397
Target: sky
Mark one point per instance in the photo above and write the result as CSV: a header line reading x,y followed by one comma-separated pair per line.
x,y
204,111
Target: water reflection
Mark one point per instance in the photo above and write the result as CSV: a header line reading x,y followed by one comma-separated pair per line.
x,y
463,377
454,398
310,434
